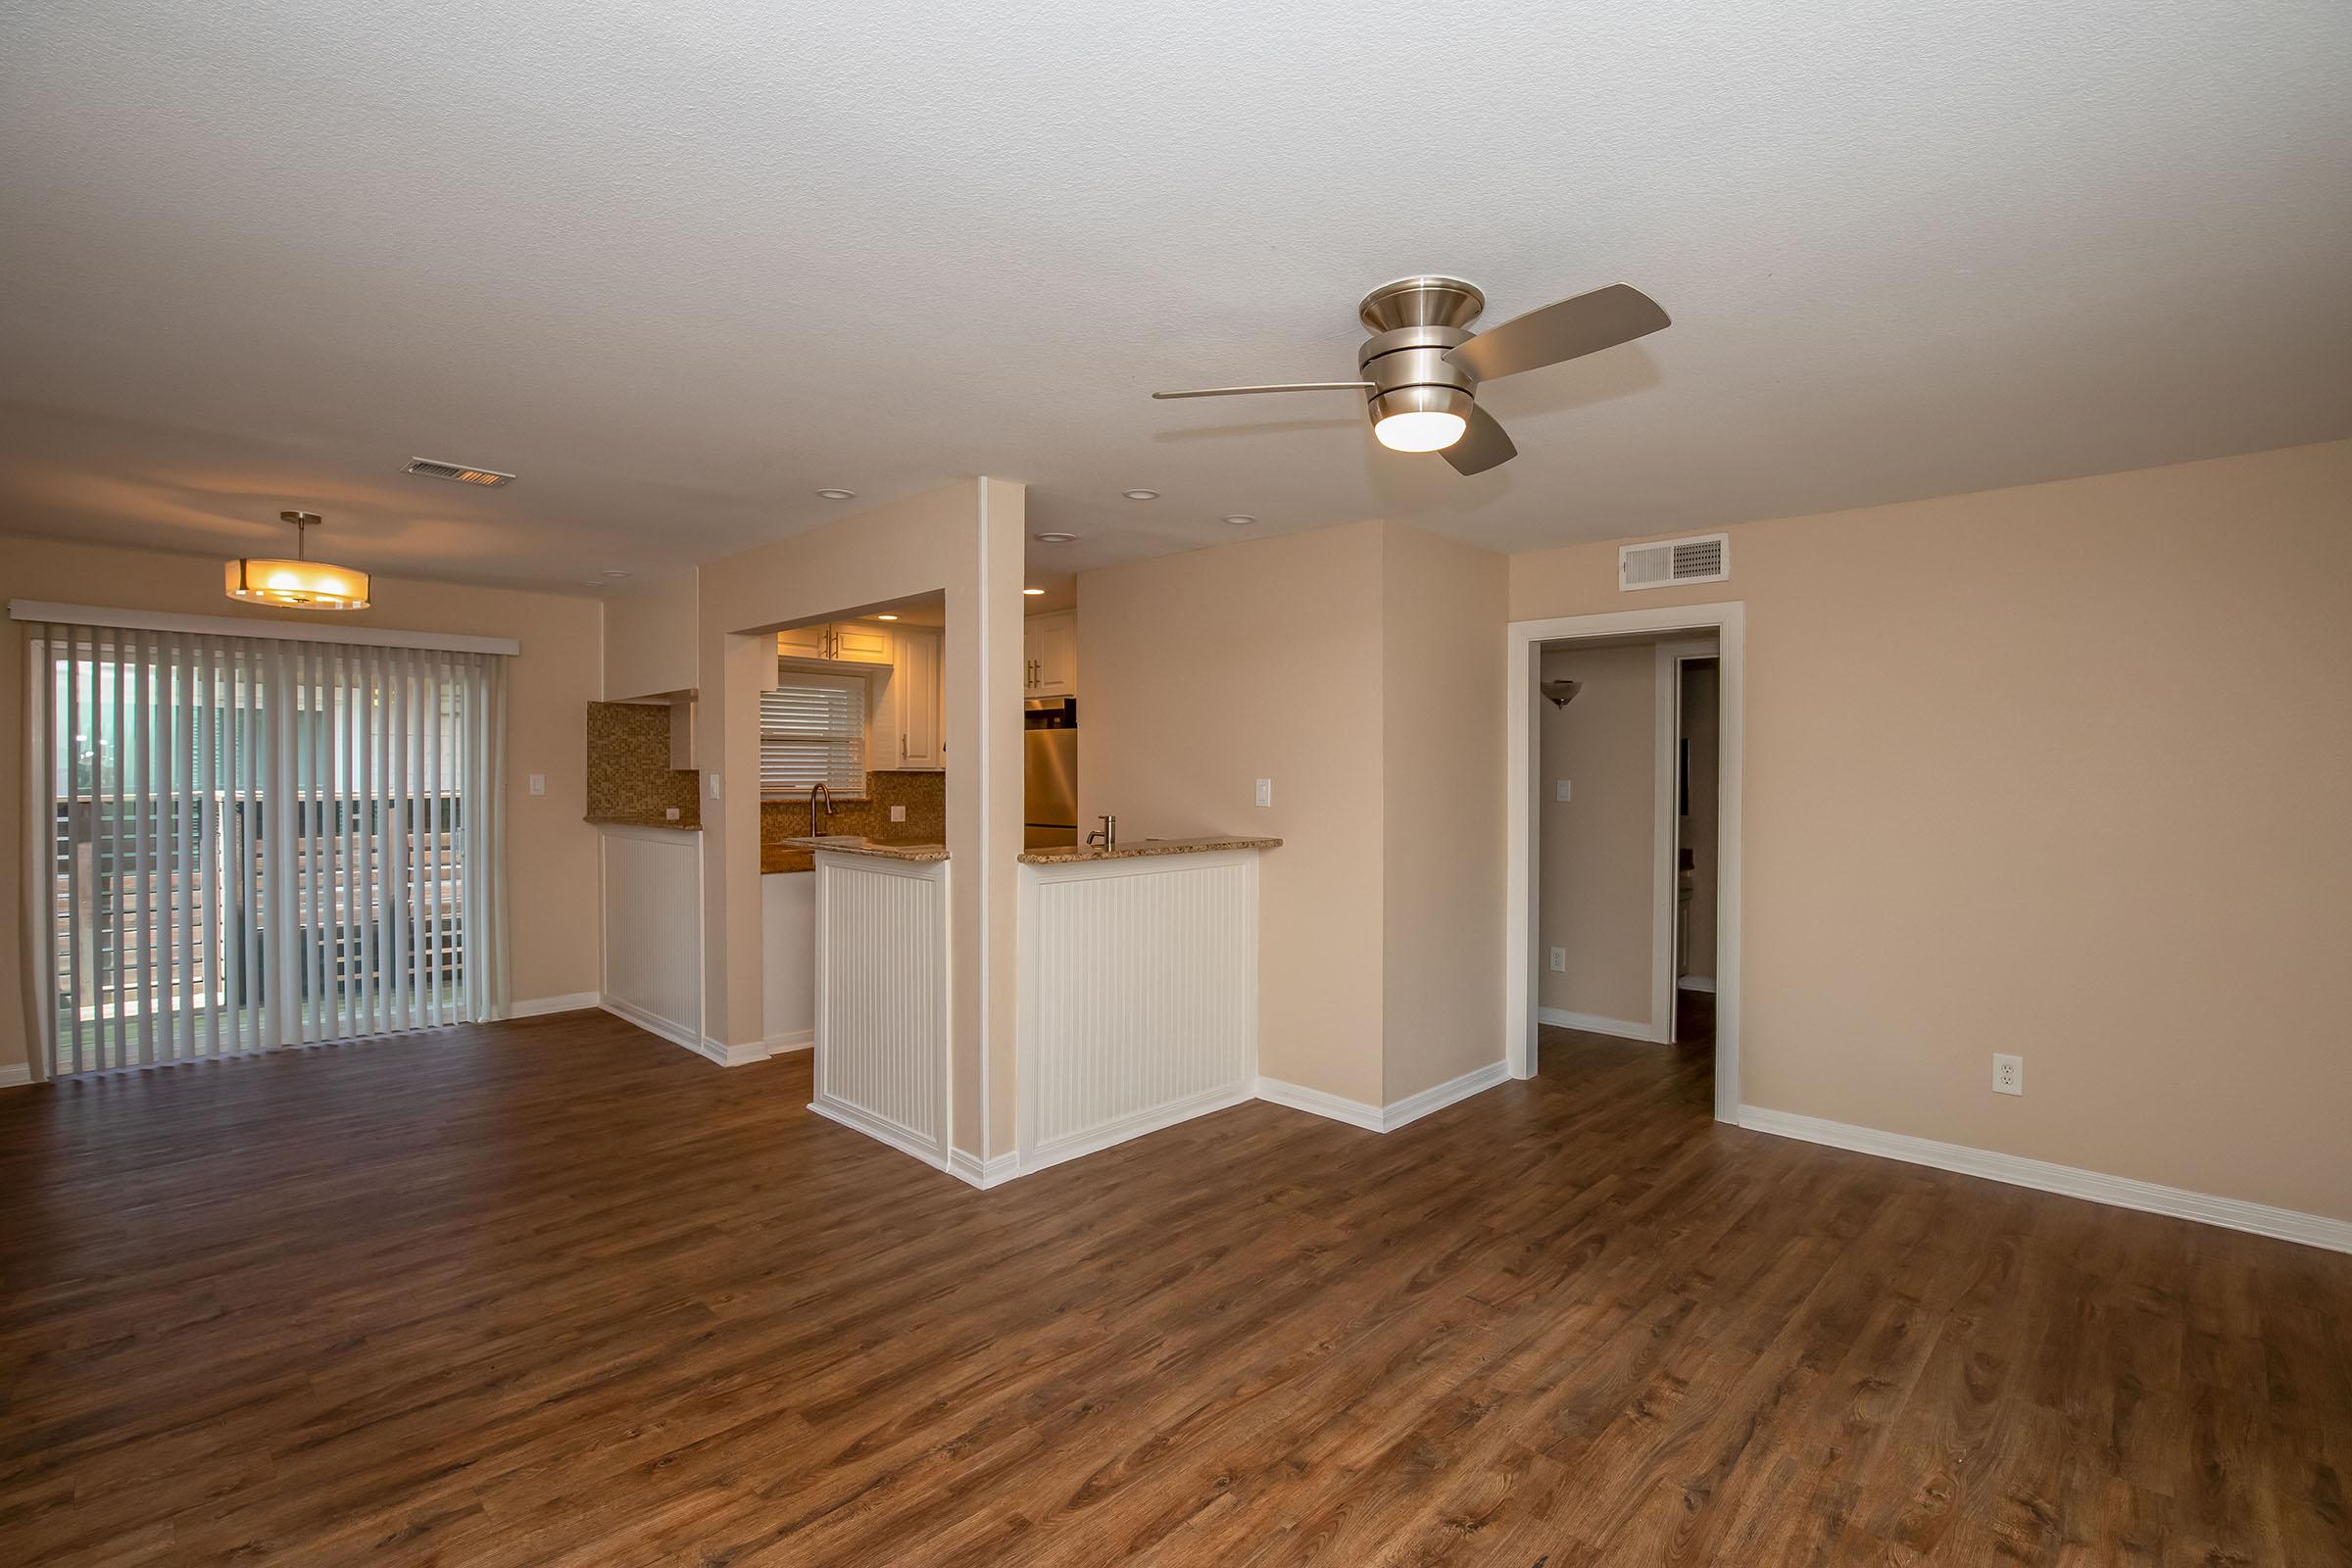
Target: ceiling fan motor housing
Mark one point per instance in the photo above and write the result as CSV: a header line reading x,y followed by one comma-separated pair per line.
x,y
1411,373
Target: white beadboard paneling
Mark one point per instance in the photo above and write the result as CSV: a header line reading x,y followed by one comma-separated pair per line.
x,y
1139,1002
652,891
881,1004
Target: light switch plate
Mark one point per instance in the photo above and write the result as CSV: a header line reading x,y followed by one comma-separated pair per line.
x,y
713,778
538,783
897,813
1265,791
1561,790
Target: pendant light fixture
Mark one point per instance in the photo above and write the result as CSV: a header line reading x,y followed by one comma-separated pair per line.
x,y
303,583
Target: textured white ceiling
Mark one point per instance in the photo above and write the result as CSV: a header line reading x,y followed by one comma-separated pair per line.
x,y
679,264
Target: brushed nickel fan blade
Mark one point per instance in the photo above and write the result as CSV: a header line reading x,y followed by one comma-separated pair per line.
x,y
1483,446
1283,386
1564,329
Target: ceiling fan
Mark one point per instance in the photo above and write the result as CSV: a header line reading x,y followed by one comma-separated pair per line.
x,y
1424,364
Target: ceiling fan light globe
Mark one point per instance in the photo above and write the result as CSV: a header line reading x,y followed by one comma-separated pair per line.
x,y
1424,431
1420,418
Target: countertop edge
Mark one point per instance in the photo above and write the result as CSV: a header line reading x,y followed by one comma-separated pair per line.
x,y
644,822
918,853
1149,849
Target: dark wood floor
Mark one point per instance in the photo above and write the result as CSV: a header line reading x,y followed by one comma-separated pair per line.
x,y
555,1293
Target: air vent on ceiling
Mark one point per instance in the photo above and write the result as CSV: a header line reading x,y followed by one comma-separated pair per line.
x,y
1671,562
458,472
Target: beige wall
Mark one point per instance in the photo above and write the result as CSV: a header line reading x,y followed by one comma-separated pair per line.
x,y
1359,669
2039,771
649,639
967,540
1598,878
551,852
1202,673
1442,760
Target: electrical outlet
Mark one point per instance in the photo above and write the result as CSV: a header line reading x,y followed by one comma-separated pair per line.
x,y
1561,790
1560,960
1265,791
2008,1075
897,813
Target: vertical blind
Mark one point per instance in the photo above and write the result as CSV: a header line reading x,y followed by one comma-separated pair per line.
x,y
247,843
813,731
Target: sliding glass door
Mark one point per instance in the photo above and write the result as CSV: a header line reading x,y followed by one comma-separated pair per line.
x,y
259,841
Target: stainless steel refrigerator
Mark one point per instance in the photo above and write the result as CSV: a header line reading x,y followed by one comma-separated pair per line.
x,y
1049,772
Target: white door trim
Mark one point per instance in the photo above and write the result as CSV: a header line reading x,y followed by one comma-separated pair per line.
x,y
1524,641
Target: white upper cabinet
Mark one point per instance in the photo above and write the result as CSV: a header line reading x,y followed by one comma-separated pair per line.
x,y
1051,644
848,642
913,706
805,642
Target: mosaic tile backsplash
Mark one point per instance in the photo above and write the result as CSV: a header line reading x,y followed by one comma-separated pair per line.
x,y
629,775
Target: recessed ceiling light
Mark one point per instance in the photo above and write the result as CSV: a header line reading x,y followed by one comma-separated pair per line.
x,y
1141,495
1033,592
1053,538
886,618
614,572
838,495
1240,520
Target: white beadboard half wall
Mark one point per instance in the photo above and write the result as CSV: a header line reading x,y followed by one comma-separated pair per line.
x,y
653,922
1138,999
881,1004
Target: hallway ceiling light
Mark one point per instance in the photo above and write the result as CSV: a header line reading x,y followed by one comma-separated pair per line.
x,y
301,583
886,618
1032,592
1055,538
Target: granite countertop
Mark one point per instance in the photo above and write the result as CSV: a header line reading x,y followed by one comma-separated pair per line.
x,y
1079,854
667,823
846,845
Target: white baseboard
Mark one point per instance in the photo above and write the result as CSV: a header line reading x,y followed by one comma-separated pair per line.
x,y
1414,1107
1697,982
16,1076
798,1040
983,1173
537,1005
881,1130
1382,1118
1096,1138
2231,1213
727,1055
677,1034
1592,1023
1314,1101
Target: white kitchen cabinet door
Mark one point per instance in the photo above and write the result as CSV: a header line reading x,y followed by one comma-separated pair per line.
x,y
805,642
914,698
1052,645
859,643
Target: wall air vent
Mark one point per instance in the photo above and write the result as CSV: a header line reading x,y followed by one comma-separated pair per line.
x,y
1672,563
458,472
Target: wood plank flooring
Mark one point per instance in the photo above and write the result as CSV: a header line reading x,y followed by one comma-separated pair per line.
x,y
555,1293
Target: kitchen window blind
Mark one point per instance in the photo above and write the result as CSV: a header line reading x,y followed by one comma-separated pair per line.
x,y
813,731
